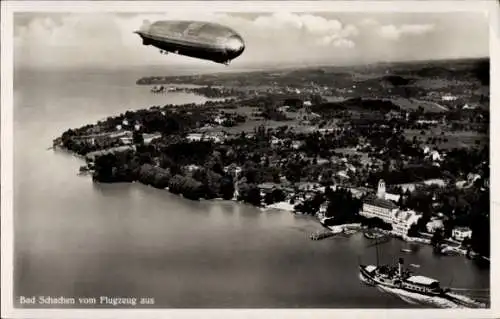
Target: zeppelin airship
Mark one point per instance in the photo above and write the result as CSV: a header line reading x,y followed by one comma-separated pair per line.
x,y
202,40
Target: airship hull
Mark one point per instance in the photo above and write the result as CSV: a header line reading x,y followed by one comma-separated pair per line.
x,y
202,40
189,49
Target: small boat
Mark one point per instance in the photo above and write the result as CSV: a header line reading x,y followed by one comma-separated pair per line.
x,y
348,231
406,250
371,235
449,251
415,265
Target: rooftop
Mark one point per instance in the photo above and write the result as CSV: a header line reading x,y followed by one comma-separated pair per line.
x,y
379,202
407,215
394,197
421,280
370,268
268,186
436,223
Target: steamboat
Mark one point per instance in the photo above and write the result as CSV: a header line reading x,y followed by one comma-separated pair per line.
x,y
396,278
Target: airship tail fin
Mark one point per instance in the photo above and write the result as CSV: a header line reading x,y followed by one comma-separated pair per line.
x,y
145,25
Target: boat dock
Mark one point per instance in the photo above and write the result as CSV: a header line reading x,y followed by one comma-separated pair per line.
x,y
321,235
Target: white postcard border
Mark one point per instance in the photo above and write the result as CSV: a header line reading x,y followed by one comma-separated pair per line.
x,y
9,7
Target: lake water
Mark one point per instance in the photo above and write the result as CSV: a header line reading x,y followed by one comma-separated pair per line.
x,y
74,238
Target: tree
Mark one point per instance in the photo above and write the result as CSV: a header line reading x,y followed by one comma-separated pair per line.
x,y
154,176
227,187
104,168
253,196
421,224
448,226
437,238
401,202
187,186
268,198
137,138
249,193
413,231
310,206
466,242
293,172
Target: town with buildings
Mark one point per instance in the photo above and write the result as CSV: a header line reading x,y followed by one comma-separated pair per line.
x,y
400,148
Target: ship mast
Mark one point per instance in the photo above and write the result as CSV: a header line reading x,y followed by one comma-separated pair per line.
x,y
451,281
376,247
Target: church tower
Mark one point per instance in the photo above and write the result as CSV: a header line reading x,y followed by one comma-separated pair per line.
x,y
381,189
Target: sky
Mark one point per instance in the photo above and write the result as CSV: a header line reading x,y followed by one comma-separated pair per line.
x,y
106,40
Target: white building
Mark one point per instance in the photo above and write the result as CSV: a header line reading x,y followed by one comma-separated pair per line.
x,y
393,197
192,168
448,97
359,192
379,206
219,119
150,137
460,233
323,208
343,174
275,140
427,121
467,107
432,154
403,220
435,181
194,137
434,225
297,144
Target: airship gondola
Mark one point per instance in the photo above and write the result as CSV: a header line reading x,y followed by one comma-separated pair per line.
x,y
202,40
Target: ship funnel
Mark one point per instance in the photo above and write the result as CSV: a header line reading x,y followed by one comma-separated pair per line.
x,y
400,266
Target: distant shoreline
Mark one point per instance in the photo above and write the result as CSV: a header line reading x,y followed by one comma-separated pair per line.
x,y
250,67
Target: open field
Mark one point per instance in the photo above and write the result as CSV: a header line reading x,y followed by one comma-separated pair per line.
x,y
251,124
447,139
440,84
413,104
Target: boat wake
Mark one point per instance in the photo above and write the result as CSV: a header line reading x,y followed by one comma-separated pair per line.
x,y
419,299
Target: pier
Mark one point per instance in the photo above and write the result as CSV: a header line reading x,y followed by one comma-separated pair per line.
x,y
321,235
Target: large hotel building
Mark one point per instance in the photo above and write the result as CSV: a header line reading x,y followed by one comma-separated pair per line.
x,y
379,206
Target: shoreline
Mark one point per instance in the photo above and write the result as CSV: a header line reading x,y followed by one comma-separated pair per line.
x,y
287,207
190,150
282,205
